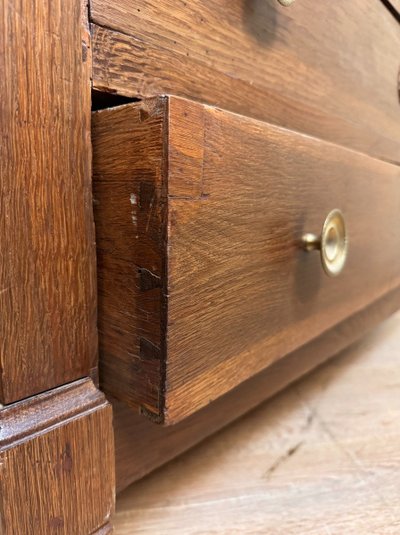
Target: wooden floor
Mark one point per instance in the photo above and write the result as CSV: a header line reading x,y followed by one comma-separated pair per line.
x,y
323,457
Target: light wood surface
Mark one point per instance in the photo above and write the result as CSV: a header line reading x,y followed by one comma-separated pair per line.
x,y
212,207
323,457
48,332
312,67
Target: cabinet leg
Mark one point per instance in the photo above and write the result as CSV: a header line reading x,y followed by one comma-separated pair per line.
x,y
57,463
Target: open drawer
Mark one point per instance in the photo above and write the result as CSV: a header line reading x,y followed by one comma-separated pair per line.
x,y
203,277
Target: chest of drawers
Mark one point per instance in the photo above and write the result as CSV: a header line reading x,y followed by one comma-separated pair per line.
x,y
243,159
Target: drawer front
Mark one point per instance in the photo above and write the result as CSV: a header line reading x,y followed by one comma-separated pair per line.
x,y
329,69
203,280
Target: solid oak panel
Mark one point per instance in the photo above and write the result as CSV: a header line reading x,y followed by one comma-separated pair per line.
x,y
129,265
202,281
142,446
57,463
325,68
47,262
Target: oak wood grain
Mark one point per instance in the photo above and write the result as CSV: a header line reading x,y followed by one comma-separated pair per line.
x,y
57,462
203,282
313,67
130,266
141,446
320,458
47,262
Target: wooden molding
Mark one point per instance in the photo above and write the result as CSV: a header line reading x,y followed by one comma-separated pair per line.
x,y
57,462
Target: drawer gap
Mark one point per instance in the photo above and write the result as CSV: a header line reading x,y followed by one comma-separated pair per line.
x,y
102,100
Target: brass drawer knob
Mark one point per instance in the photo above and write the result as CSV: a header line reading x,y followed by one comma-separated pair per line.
x,y
286,3
332,244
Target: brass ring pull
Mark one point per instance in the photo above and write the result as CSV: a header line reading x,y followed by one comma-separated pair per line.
x,y
286,3
332,244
